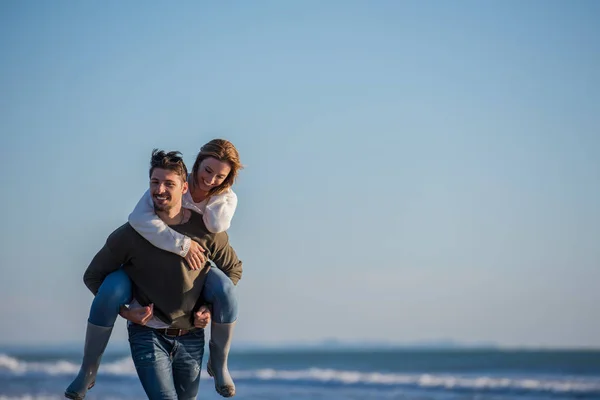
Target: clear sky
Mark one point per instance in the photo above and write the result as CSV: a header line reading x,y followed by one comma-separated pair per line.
x,y
415,170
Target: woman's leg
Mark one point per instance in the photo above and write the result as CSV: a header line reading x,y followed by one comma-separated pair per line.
x,y
114,292
220,292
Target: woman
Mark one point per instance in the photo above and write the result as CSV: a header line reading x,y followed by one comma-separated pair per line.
x,y
213,174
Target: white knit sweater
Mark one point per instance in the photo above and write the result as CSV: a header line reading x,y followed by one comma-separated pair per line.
x,y
217,212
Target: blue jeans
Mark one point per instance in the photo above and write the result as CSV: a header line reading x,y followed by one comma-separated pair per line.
x,y
168,367
220,292
112,294
116,290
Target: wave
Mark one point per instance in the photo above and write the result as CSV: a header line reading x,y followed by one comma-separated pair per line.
x,y
14,366
31,397
572,385
556,384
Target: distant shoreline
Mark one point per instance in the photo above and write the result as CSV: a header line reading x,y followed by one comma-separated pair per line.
x,y
316,347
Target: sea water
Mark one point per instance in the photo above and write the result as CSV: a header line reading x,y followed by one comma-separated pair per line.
x,y
331,375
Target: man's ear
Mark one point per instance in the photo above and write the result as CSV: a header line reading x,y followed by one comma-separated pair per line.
x,y
185,187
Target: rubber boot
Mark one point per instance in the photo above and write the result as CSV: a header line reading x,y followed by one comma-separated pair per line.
x,y
220,342
96,339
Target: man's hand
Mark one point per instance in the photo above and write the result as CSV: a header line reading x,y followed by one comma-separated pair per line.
x,y
202,317
195,257
138,316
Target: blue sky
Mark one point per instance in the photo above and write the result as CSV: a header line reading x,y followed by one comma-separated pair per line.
x,y
414,170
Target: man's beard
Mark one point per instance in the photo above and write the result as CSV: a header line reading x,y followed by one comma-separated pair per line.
x,y
162,208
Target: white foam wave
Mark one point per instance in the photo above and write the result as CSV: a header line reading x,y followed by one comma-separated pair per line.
x,y
15,366
47,397
441,381
30,397
124,367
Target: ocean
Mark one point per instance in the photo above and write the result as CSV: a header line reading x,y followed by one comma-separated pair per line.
x,y
332,375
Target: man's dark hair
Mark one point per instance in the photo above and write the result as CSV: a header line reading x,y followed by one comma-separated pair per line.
x,y
171,161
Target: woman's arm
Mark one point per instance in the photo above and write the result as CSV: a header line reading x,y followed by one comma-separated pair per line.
x,y
219,211
145,221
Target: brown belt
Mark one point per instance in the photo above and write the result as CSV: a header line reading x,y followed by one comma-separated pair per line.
x,y
173,331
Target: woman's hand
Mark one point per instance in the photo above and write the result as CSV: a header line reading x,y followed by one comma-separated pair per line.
x,y
195,257
202,317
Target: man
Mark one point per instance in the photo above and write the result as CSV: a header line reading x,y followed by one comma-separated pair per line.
x,y
166,347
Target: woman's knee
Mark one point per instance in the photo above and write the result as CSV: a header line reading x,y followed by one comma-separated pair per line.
x,y
224,291
115,290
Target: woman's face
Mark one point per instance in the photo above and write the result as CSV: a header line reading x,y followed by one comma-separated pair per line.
x,y
211,173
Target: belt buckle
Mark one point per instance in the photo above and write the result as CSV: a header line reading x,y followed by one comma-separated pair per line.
x,y
177,332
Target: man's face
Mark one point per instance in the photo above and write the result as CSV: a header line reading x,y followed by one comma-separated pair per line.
x,y
167,189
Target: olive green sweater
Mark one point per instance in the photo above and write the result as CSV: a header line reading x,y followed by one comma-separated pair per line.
x,y
161,277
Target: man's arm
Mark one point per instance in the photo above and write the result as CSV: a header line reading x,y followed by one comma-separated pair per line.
x,y
225,257
109,259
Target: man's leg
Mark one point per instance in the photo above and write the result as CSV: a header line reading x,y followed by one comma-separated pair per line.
x,y
151,356
187,363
